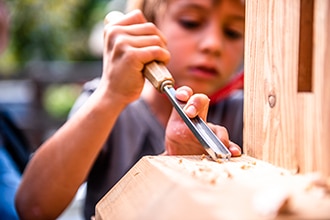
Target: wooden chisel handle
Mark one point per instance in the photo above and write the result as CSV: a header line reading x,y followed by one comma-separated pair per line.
x,y
158,75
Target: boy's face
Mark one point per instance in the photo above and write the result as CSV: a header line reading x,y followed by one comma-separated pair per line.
x,y
206,41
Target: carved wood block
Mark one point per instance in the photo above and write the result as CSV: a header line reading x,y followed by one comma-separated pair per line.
x,y
192,187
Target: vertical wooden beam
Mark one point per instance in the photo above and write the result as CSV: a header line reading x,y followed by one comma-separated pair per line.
x,y
324,101
287,95
271,59
313,139
313,120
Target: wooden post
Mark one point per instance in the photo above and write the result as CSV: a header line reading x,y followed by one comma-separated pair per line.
x,y
287,78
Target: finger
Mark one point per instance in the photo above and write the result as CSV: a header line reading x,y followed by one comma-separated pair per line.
x,y
137,29
138,41
135,21
234,149
118,18
183,93
145,55
197,104
221,132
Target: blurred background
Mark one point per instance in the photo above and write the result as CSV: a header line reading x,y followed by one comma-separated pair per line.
x,y
54,47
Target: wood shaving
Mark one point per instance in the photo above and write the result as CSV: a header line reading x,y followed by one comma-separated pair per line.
x,y
219,161
205,169
213,181
253,163
228,174
272,201
318,184
245,166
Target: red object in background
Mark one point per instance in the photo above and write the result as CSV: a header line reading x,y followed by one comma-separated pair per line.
x,y
236,83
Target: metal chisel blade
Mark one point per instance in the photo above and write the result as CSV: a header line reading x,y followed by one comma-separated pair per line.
x,y
214,147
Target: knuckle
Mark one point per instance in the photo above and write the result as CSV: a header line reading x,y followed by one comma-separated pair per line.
x,y
110,30
223,130
130,54
155,39
151,26
111,34
119,42
160,54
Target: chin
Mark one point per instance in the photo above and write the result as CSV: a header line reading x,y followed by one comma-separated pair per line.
x,y
198,87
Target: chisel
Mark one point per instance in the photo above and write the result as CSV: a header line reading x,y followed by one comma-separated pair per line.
x,y
162,80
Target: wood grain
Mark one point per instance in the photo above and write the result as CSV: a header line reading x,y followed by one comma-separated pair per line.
x,y
189,187
271,60
282,124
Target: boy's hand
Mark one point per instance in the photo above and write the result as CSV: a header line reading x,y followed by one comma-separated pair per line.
x,y
179,140
130,42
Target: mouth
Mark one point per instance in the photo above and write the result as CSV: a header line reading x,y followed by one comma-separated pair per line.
x,y
204,72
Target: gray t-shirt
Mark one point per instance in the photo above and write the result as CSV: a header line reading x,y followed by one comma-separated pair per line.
x,y
138,133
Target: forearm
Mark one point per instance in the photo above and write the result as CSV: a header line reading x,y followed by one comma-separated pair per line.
x,y
61,164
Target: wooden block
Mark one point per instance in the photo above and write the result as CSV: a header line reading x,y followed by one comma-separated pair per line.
x,y
287,78
192,187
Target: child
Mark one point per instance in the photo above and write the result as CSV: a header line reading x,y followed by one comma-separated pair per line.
x,y
201,42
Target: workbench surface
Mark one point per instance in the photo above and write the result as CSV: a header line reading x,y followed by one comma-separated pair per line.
x,y
195,187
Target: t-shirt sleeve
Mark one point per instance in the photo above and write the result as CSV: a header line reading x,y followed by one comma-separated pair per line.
x,y
88,89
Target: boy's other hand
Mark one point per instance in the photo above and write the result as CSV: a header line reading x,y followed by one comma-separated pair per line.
x,y
179,140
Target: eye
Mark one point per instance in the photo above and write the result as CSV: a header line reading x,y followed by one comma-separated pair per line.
x,y
189,24
232,34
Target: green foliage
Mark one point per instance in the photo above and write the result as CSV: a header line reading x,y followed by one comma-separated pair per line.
x,y
50,30
58,99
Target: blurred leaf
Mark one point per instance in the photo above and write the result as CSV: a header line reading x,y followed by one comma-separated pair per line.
x,y
58,99
50,30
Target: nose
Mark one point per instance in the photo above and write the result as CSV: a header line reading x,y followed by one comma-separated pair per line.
x,y
211,40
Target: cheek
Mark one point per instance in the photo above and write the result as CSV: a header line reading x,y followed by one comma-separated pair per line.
x,y
178,40
180,49
177,61
179,43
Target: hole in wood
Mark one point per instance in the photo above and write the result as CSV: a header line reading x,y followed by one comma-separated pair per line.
x,y
305,46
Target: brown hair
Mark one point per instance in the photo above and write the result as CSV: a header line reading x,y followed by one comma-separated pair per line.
x,y
148,7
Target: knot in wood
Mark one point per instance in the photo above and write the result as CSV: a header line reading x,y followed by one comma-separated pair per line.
x,y
272,100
